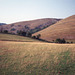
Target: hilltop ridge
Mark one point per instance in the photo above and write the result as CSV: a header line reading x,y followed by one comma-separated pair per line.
x,y
31,26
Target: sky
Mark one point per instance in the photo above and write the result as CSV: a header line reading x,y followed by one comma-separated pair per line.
x,y
22,10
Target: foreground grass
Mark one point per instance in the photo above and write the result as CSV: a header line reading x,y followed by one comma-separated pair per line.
x,y
19,58
9,37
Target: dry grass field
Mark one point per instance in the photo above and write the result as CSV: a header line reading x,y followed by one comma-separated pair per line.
x,y
9,37
25,56
34,58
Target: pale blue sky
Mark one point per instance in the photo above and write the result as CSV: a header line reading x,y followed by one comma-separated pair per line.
x,y
21,10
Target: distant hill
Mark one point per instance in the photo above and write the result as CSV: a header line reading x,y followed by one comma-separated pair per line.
x,y
62,29
31,26
2,24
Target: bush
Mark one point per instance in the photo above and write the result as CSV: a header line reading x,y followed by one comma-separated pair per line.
x,y
34,37
19,32
71,42
60,40
28,34
23,33
38,36
5,31
63,40
67,42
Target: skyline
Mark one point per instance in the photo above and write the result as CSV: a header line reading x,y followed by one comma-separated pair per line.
x,y
24,10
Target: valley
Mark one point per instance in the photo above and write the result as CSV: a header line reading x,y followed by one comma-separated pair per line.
x,y
28,55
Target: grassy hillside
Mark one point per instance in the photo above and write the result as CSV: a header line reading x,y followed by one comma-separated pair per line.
x,y
21,58
62,29
32,26
9,37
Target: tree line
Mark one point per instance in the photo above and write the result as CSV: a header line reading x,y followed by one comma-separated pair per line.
x,y
29,34
26,34
58,40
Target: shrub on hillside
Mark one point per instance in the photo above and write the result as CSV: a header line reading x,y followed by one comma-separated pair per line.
x,y
71,42
28,34
23,33
60,40
67,42
38,36
19,32
34,37
5,31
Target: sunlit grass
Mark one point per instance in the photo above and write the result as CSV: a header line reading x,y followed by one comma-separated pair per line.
x,y
19,58
9,37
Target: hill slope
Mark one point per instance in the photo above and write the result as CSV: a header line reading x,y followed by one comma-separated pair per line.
x,y
32,26
62,29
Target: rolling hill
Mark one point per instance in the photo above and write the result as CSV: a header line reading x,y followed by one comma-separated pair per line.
x,y
31,26
63,29
25,56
